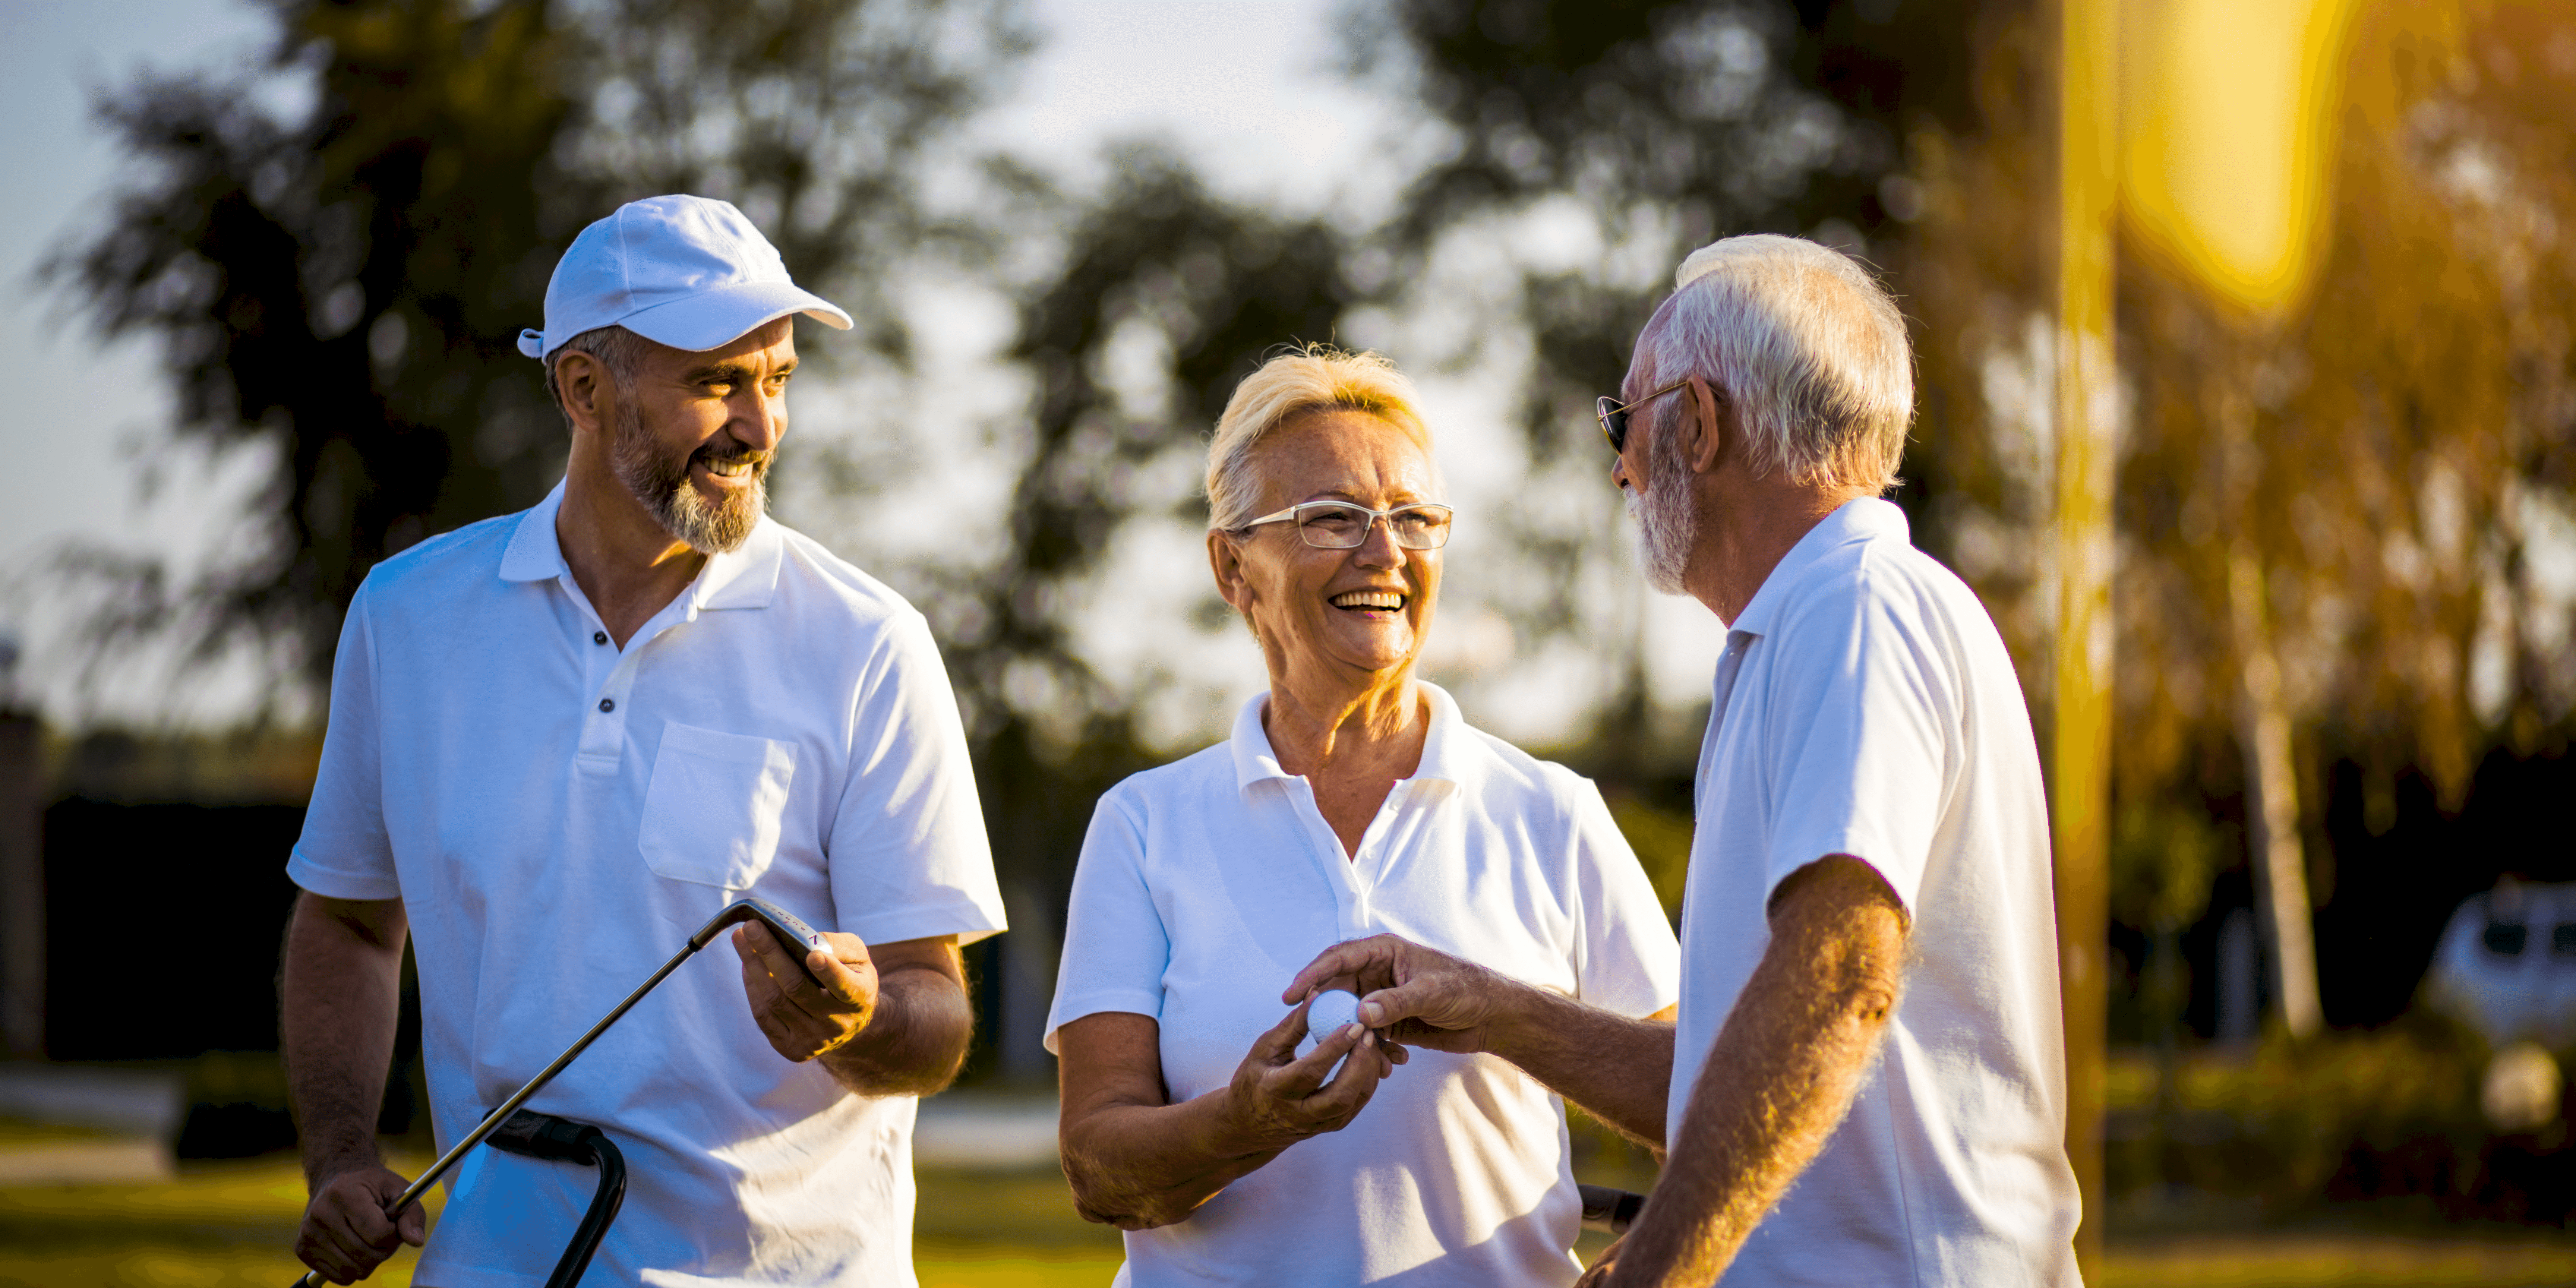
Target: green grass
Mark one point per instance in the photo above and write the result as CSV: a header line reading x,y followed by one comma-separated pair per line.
x,y
219,1225
224,1224
2343,1260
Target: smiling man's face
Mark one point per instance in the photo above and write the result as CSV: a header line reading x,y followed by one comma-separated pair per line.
x,y
1363,609
695,441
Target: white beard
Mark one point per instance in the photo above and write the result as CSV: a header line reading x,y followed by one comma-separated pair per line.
x,y
1667,524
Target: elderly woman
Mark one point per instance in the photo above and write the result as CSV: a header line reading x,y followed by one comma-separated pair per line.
x,y
1350,801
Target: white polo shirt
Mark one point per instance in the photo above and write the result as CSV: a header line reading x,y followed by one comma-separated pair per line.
x,y
1205,886
1865,706
558,815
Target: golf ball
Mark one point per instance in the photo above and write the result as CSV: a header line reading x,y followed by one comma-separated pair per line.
x,y
1329,1013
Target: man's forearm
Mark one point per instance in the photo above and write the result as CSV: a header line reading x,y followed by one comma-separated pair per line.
x,y
339,1002
1620,1070
1779,1077
914,1044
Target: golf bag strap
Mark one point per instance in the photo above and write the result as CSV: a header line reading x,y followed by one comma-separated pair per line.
x,y
530,1134
1608,1210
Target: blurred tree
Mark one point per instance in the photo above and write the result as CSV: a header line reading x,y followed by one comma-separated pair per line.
x,y
1204,289
341,290
2343,530
1661,126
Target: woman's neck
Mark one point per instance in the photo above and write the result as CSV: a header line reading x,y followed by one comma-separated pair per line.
x,y
1350,742
1371,730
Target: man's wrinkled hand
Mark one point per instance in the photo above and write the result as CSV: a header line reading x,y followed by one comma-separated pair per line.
x,y
802,1019
1416,995
345,1234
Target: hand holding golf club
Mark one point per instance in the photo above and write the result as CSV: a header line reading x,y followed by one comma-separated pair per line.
x,y
808,1006
346,1233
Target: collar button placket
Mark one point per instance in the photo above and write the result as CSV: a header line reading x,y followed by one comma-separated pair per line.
x,y
603,731
1350,901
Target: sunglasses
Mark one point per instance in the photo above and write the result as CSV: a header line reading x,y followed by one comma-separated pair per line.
x,y
1613,414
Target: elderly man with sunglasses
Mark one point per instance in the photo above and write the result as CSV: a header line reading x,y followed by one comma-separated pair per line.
x,y
1351,800
1869,998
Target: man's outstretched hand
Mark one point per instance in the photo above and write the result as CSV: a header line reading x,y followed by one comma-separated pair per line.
x,y
801,1019
345,1234
1417,996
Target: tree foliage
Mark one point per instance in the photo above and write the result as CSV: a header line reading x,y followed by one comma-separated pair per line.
x,y
2370,489
1213,287
342,290
1665,126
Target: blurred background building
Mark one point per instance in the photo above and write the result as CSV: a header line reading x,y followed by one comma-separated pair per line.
x,y
269,259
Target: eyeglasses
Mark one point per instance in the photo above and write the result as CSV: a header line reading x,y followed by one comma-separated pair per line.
x,y
1345,525
1613,414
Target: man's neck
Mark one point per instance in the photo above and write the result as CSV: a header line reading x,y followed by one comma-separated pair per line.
x,y
627,564
1747,526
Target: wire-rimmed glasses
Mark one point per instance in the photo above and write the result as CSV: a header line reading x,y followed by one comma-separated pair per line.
x,y
1613,414
1345,525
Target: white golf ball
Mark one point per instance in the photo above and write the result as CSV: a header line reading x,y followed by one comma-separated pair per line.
x,y
1330,1012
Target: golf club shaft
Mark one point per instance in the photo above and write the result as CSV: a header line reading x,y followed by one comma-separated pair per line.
x,y
491,1121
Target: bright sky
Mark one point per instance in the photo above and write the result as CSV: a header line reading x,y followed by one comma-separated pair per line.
x,y
1246,87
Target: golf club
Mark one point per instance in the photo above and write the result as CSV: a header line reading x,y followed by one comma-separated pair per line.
x,y
790,932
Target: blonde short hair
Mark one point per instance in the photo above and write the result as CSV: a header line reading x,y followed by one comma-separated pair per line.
x,y
1315,377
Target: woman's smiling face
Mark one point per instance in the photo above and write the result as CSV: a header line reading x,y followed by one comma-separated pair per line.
x,y
1367,608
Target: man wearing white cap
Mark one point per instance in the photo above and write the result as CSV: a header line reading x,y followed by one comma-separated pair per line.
x,y
560,740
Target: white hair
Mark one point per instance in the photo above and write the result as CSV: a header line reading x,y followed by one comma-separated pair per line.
x,y
1317,377
1808,346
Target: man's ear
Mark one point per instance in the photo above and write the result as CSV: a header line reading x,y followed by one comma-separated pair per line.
x,y
1707,446
583,386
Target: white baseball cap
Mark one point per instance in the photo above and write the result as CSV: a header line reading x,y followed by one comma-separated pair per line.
x,y
689,272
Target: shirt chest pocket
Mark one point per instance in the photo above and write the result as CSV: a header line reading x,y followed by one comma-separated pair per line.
x,y
713,808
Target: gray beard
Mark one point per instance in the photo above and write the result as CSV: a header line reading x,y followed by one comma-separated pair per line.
x,y
661,481
1667,524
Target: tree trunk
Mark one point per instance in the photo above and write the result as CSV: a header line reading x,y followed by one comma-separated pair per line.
x,y
2263,737
22,888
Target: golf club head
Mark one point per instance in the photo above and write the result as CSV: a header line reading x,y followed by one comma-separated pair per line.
x,y
790,930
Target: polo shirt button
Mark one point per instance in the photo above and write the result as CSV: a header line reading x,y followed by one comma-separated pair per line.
x,y
608,704
599,637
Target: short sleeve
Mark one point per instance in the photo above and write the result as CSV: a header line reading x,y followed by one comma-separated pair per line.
x,y
1864,720
344,852
1115,946
1630,964
907,854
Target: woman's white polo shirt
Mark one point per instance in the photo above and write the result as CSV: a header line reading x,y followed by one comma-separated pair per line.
x,y
1205,885
558,814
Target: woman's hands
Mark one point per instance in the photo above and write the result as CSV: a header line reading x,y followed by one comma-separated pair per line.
x,y
1278,1097
1137,1161
1619,1069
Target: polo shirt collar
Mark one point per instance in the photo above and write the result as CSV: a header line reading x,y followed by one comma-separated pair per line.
x,y
1861,519
743,578
1445,748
